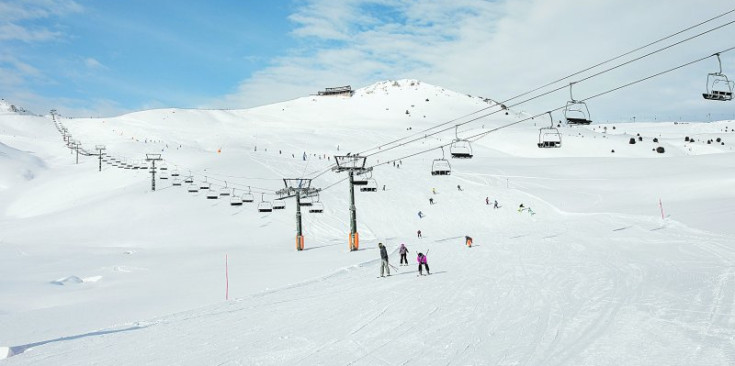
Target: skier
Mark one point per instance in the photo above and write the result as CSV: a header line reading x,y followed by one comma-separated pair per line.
x,y
403,251
459,188
384,266
431,201
521,208
421,215
487,200
433,190
495,204
468,241
418,233
422,262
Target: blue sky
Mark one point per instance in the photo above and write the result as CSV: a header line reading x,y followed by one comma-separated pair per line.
x,y
111,57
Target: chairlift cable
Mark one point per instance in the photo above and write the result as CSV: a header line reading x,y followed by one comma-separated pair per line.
x,y
561,79
485,133
550,91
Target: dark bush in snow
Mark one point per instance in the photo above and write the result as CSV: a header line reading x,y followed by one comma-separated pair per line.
x,y
640,138
655,139
660,150
612,151
686,139
719,139
632,141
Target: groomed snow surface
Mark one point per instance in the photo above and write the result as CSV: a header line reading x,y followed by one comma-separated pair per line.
x,y
97,269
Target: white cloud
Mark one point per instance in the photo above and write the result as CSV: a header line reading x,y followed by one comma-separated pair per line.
x,y
494,49
93,63
14,15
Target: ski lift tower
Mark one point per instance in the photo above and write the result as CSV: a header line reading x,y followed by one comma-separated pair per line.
x,y
153,158
74,146
352,164
298,186
100,151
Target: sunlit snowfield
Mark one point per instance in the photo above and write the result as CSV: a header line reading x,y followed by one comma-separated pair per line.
x,y
97,269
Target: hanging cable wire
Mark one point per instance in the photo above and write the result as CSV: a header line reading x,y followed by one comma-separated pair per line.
x,y
565,78
485,133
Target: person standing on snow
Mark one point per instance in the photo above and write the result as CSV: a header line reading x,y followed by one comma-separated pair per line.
x,y
384,266
487,200
423,262
403,251
418,233
421,215
495,205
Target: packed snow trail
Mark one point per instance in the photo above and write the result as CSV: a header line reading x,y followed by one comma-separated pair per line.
x,y
639,290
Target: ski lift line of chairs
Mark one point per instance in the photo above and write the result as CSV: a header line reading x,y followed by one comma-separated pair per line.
x,y
441,166
460,148
719,87
264,206
576,112
549,136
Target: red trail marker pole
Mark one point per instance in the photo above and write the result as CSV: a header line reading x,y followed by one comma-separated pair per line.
x,y
661,206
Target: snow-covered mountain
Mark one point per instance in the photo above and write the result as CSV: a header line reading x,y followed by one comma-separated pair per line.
x,y
97,268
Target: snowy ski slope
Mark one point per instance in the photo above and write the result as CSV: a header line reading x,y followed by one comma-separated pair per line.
x,y
97,269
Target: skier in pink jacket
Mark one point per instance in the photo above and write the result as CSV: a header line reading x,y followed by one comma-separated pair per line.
x,y
422,262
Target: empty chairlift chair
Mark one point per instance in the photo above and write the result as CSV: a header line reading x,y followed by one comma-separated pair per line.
x,y
279,205
224,192
235,200
549,136
371,186
164,166
576,112
212,194
719,87
204,184
175,173
317,206
248,197
189,179
441,166
306,201
264,206
460,148
193,188
163,175
176,182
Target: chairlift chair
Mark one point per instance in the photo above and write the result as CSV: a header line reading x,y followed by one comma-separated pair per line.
x,y
164,166
361,179
193,188
316,206
371,186
576,112
549,136
279,205
189,179
163,175
264,206
204,184
175,173
719,87
306,201
460,148
248,196
224,192
441,166
212,194
176,182
235,200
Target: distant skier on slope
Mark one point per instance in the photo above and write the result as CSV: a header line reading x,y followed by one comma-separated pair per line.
x,y
423,262
468,241
487,200
418,234
403,251
384,266
421,215
495,204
